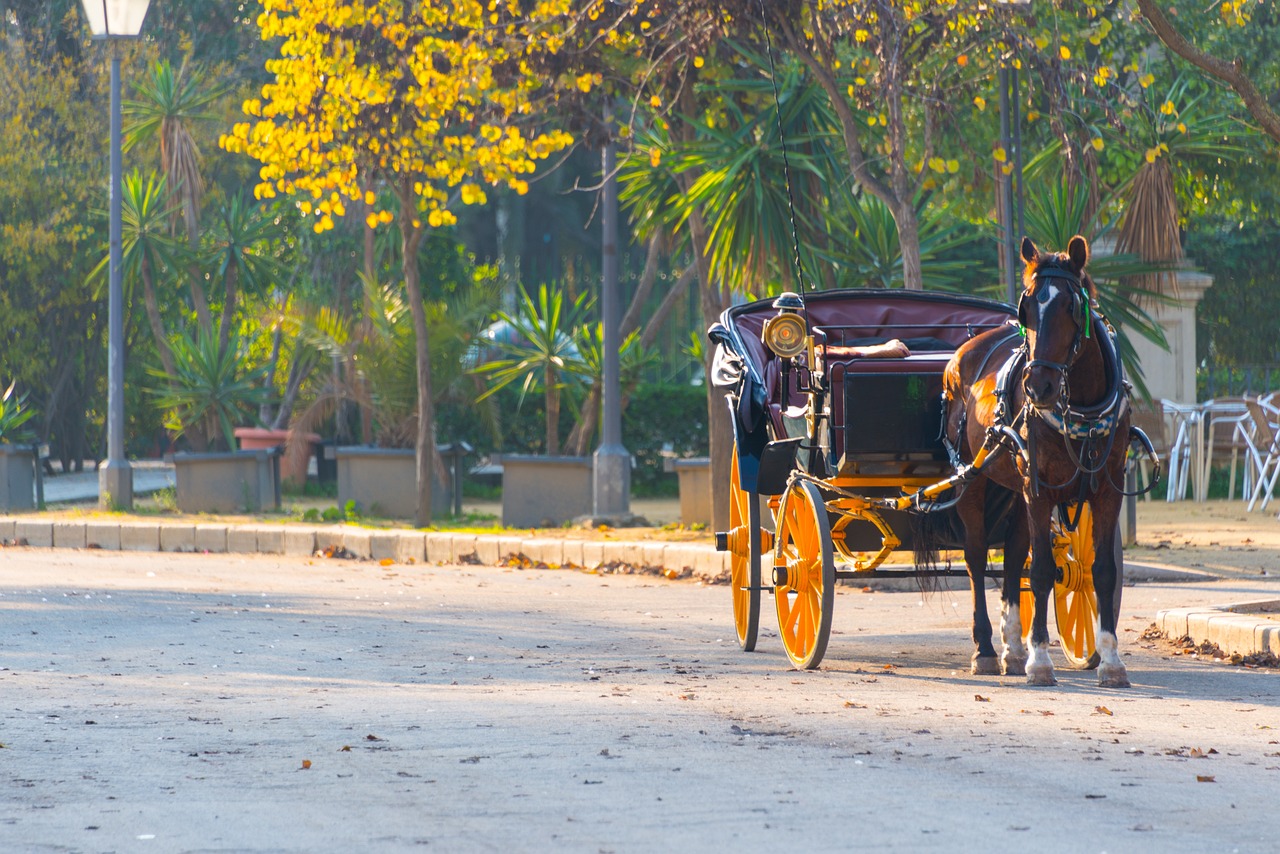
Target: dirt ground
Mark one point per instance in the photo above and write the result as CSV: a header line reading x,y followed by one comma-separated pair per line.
x,y
1219,537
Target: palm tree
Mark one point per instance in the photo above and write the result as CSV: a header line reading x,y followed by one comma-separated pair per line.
x,y
1175,137
542,354
209,394
169,104
241,242
148,251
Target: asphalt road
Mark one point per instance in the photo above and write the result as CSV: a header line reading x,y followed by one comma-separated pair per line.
x,y
177,702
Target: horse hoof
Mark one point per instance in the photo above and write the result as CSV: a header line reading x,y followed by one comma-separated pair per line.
x,y
1014,666
1113,677
985,665
1041,676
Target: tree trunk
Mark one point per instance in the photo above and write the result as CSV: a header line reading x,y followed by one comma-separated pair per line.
x,y
719,428
909,243
228,309
425,446
157,322
552,397
199,302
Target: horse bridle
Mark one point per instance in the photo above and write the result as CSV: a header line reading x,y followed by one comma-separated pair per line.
x,y
1079,313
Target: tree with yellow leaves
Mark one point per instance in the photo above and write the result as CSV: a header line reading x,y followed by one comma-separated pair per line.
x,y
433,101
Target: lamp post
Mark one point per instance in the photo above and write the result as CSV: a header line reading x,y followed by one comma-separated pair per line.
x,y
111,20
1011,142
611,464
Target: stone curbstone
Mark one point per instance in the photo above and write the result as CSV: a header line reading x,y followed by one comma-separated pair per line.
x,y
410,547
383,545
592,554
139,537
509,546
299,541
6,528
177,538
461,546
104,535
213,538
438,547
653,554
615,552
34,531
550,552
243,540
69,535
488,550
270,540
327,538
358,541
573,553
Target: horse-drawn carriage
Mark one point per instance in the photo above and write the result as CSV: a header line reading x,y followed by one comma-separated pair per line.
x,y
997,423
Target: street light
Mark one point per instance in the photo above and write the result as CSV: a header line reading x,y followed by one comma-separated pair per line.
x,y
112,20
1011,142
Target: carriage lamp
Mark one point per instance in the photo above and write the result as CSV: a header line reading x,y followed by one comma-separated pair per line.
x,y
786,333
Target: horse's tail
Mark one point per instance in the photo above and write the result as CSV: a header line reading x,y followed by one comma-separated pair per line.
x,y
930,534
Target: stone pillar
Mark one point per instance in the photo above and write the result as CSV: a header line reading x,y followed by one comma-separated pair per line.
x,y
1172,375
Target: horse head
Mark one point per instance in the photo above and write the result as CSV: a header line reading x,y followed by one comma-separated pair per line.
x,y
1054,312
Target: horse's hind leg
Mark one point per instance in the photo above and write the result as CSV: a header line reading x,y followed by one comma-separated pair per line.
x,y
971,511
1043,573
1017,544
1111,670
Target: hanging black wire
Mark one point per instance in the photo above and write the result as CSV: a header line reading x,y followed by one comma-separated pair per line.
x,y
782,137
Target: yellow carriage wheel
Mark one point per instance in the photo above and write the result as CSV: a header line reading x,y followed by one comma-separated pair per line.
x,y
1074,602
1074,599
744,558
804,575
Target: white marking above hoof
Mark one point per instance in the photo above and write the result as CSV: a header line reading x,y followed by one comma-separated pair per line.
x,y
1040,666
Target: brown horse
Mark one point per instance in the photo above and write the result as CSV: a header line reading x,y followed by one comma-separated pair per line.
x,y
1048,403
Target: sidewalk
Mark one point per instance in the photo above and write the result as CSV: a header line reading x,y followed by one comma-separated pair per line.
x,y
1184,541
148,476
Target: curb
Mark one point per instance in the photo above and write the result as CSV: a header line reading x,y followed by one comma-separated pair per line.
x,y
678,560
1234,628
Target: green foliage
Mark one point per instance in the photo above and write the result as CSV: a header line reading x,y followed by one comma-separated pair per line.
x,y
1236,319
663,418
210,395
13,414
541,353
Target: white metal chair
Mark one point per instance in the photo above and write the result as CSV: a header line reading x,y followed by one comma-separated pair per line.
x,y
1262,441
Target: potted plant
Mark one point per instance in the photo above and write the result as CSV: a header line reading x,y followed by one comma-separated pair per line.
x,y
17,461
536,347
203,397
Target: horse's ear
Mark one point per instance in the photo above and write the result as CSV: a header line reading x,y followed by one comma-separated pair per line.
x,y
1029,250
1078,252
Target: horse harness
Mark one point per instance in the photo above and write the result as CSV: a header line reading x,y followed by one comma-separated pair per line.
x,y
1094,426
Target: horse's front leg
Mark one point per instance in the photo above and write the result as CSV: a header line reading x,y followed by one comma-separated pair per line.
x,y
1013,659
971,511
1043,574
1111,670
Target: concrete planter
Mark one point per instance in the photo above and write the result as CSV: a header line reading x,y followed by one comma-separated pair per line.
x,y
383,482
545,491
239,481
17,477
293,465
695,490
